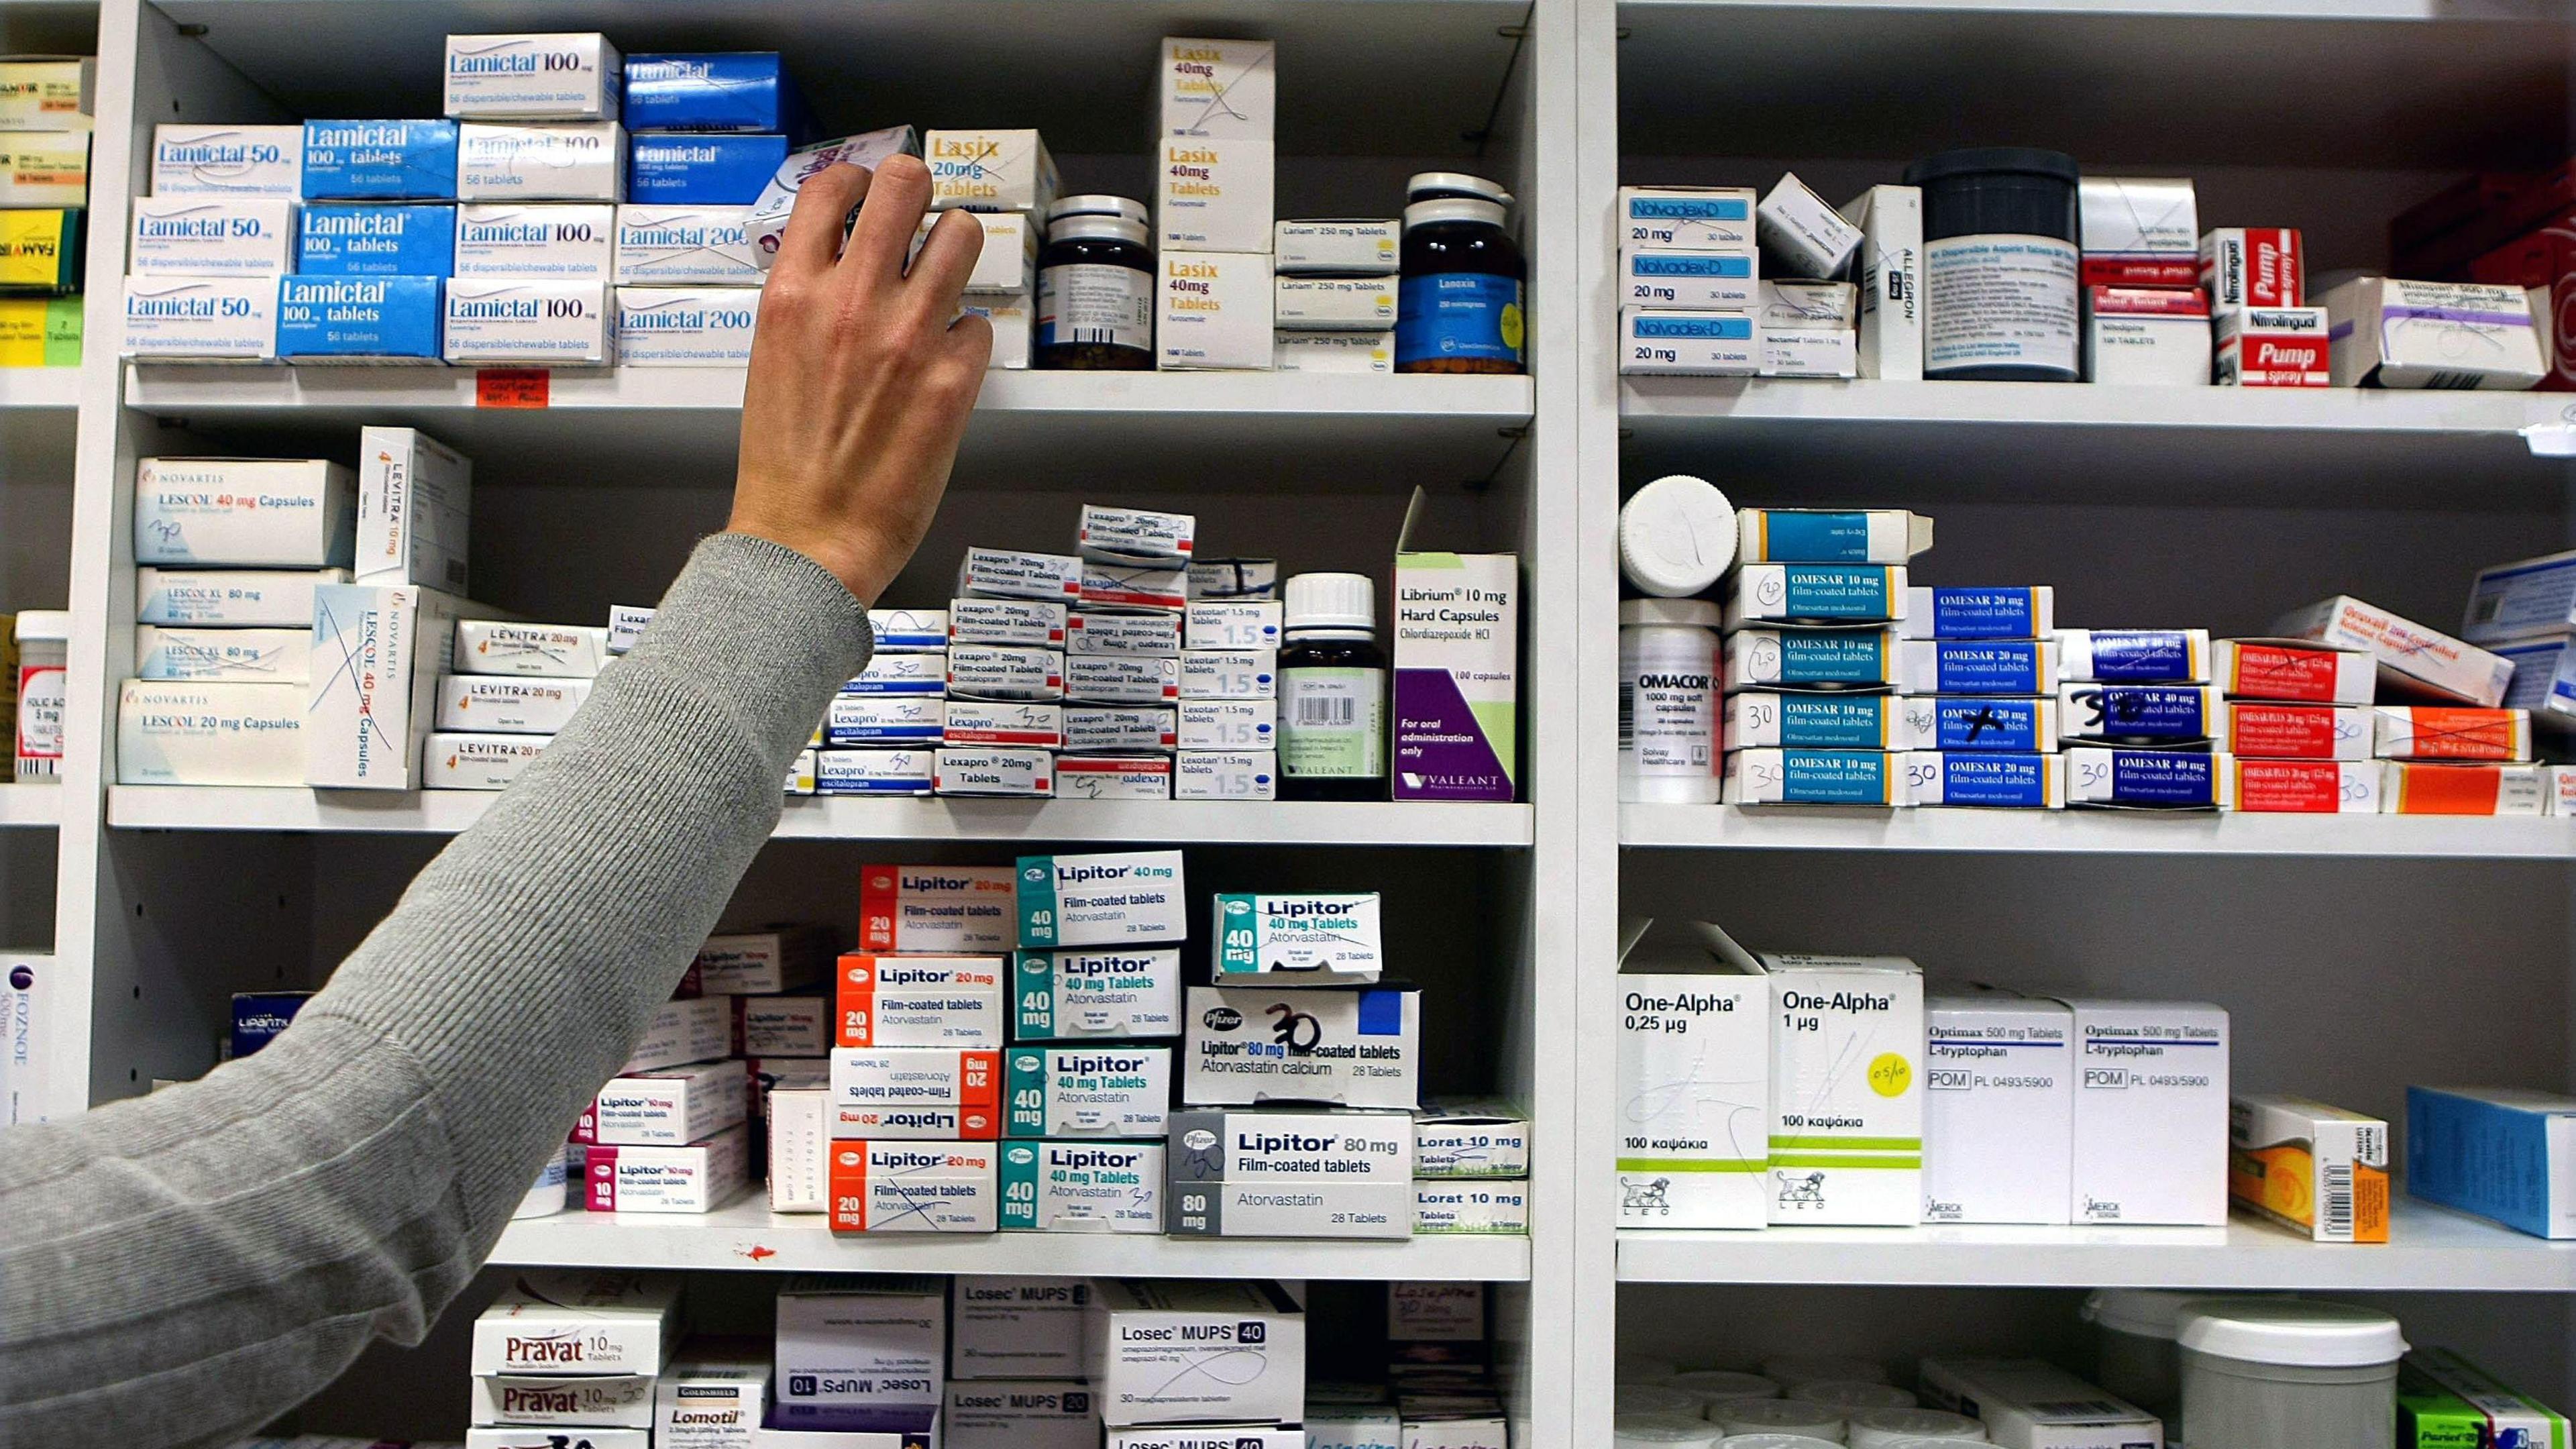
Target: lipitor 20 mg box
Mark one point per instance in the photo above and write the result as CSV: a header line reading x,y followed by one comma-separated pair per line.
x,y
914,1187
936,908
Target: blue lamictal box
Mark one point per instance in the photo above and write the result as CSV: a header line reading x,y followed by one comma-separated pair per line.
x,y
258,1016
708,170
742,90
372,239
380,160
359,319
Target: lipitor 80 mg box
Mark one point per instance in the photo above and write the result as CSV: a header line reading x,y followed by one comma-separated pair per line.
x,y
2499,1152
1093,1090
552,1321
1108,899
1290,940
1347,1046
1082,1187
1196,1352
1103,992
1016,1328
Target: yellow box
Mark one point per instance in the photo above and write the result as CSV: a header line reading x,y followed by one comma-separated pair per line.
x,y
39,250
40,331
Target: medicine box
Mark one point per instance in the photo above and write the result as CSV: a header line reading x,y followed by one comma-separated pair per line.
x,y
995,671
1694,1084
2027,1404
1808,352
1890,272
1846,1140
777,197
212,236
686,326
1133,585
2282,730
1291,1174
377,653
2458,789
861,1354
2162,779
1016,1328
230,598
1798,658
568,1321
1018,623
1196,1351
259,1017
1970,723
1352,1046
684,245
1107,631
2446,1402
209,733
377,239
1229,674
2423,732
748,963
1471,1209
567,241
1099,993
1807,306
1806,237
713,1397
1372,1424
1457,683
743,90
415,502
2253,266
2160,714
358,319
1689,344
2311,787
1976,666
1980,613
1000,573
990,770
1217,87
884,719
985,722
502,1436
1470,1138
274,656
1109,899
2433,334
1998,1109
695,1177
908,630
2273,347
2289,669
1045,1414
557,76
887,672
1092,1090
1669,280
2544,676
1108,777
1341,352
990,170
874,772
1297,940
669,1107
1818,535
1135,535
2498,1152
626,626
1239,725
1211,1436
456,761
380,160
1686,218
914,1187
2528,599
1225,775
2318,1170
909,1077
2139,232
502,322
1215,311
705,170
1337,246
919,1001
1815,777
40,331
1231,624
766,1027
564,161
2411,657
1817,721
1096,728
228,161
2133,656
2151,1094
616,1401
2144,337
1008,258
1082,1186
543,651
1234,578
1986,778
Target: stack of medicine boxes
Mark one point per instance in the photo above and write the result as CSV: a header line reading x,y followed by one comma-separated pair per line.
x,y
1008,180
541,165
1214,181
1470,1169
880,734
2141,724
375,245
44,193
1811,656
213,239
2256,278
1008,625
509,689
707,132
1123,667
1016,1369
2297,727
1229,706
1689,290
2146,320
1439,1364
1980,667
573,1356
2461,752
1809,320
1335,303
2525,613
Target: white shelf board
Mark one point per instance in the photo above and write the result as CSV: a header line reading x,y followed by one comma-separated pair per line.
x,y
444,812
2106,832
2428,1248
1655,403
39,387
746,1235
30,805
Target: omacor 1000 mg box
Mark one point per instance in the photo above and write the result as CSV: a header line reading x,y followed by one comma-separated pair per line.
x,y
1694,1084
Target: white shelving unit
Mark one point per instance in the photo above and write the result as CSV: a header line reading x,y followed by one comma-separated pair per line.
x,y
2401,837
31,805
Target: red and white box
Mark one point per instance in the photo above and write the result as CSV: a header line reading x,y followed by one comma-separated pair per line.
x,y
750,963
2292,669
2274,347
2253,266
2562,788
2301,787
1114,777
938,909
915,1187
989,722
2408,787
2146,337
991,770
2274,730
578,1321
2139,231
665,1109
916,1124
694,1029
919,1001
696,1178
2488,736
2542,262
2410,656
877,1077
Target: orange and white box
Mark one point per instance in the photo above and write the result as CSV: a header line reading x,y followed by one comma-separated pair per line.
x,y
2279,730
2294,670
916,1124
696,1177
937,908
919,1001
2408,787
915,1187
2314,1169
916,1077
2274,347
2422,732
2300,787
2409,654
668,1108
2253,266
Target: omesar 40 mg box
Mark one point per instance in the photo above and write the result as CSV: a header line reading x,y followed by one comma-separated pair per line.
x,y
588,1322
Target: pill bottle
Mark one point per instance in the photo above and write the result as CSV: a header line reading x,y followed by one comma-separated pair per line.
x,y
1779,1416
1332,690
2000,265
1719,1386
1848,1394
1653,1399
1789,1370
1095,287
1677,537
44,638
546,1196
1887,1428
1661,1431
1458,302
1668,745
2287,1373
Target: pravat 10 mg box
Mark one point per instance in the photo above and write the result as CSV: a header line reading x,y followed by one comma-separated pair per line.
x,y
588,1322
1694,1103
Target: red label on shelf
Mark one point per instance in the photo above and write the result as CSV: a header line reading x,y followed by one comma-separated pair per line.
x,y
2177,271
2289,787
2282,731
512,387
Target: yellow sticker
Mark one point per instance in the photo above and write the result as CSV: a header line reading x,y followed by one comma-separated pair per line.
x,y
1512,328
1890,1075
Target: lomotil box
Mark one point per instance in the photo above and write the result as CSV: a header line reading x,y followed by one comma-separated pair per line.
x,y
1846,1089
1694,1114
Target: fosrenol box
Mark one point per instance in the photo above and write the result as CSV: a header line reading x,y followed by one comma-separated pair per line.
x,y
743,963
1000,1414
1815,777
2528,599
617,1401
1196,1352
1846,1089
379,160
2287,669
696,1177
228,161
702,170
1094,1090
874,772
1082,1187
2499,1152
415,502
273,656
1986,778
2150,1112
914,1187
209,733
1097,993
1291,1174
908,1077
777,197
564,161
2314,1169
1694,1085
207,319
1689,344
559,1321
212,236
377,654
1016,1328
2389,333
743,90
1998,1109
565,76
1002,573
686,326
1686,218
1976,666
358,319
1944,612
884,719
1111,899
544,651
564,323
1823,535
1351,1046
684,246
255,512
2431,733
476,762
662,1108
388,239
1292,940
230,598
919,1001
2134,656
2411,656
989,170
861,1353
567,242
2027,1404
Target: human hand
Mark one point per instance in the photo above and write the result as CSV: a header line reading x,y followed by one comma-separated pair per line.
x,y
860,382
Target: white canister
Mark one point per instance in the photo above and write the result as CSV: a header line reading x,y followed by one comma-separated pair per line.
x,y
1891,1428
1779,1416
1773,1441
1789,1370
1677,537
1661,1431
1653,1399
2282,1373
44,638
2134,1354
1850,1394
1668,694
546,1196
1720,1386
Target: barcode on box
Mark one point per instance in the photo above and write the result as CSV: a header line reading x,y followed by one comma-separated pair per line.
x,y
1320,711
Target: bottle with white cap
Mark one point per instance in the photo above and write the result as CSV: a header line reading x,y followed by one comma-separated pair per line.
x,y
1095,297
1677,537
1668,692
1332,691
1459,300
44,646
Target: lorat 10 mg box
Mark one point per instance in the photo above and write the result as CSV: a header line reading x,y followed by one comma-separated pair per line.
x,y
1471,1139
1082,1187
1296,940
1104,1090
1291,1174
2313,1169
1102,993
1196,1352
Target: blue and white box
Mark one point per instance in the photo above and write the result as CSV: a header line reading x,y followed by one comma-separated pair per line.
x,y
2147,779
1689,344
380,160
741,90
228,161
509,323
1820,721
568,242
1830,535
212,236
2499,1152
873,772
1810,658
259,1017
2522,600
1686,218
702,170
2138,713
686,326
1945,612
202,319
884,719
1984,724
2544,676
363,239
1994,781
1725,280
2134,656
1816,777
1821,593
888,672
358,319
564,161
685,246
1976,666
571,76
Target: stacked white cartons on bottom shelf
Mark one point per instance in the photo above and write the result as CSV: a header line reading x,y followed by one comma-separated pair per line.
x,y
1336,294
881,732
861,1354
1471,1162
2141,725
572,1351
1017,1374
1978,667
2298,727
511,686
1437,1345
1225,1359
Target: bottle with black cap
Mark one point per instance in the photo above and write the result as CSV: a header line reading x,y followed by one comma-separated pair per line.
x,y
1458,305
2001,265
1095,287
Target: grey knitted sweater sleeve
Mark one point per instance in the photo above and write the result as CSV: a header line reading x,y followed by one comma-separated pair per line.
x,y
181,1268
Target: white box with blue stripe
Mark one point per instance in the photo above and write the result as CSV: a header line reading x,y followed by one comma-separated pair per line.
x,y
2522,600
1705,343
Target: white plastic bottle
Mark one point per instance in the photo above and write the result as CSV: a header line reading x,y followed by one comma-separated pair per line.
x,y
1668,693
1677,537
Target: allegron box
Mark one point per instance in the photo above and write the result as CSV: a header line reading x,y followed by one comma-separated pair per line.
x,y
1846,1089
1103,992
1998,1103
1348,1046
1106,1089
1016,1328
1082,1187
1196,1351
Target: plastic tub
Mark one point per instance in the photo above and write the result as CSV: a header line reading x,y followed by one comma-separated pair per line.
x,y
1890,1428
2277,1373
1653,1399
1643,1368
2134,1354
1722,1386
1789,1370
1779,1416
1848,1394
1661,1431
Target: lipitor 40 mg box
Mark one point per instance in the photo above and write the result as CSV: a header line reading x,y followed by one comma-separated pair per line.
x,y
1093,1090
1322,940
1110,899
1105,992
1082,1187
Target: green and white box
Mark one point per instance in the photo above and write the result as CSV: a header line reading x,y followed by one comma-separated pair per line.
x,y
1471,1209
1109,993
1846,1089
1114,898
1694,1083
1298,940
1470,1139
1107,1090
1082,1187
